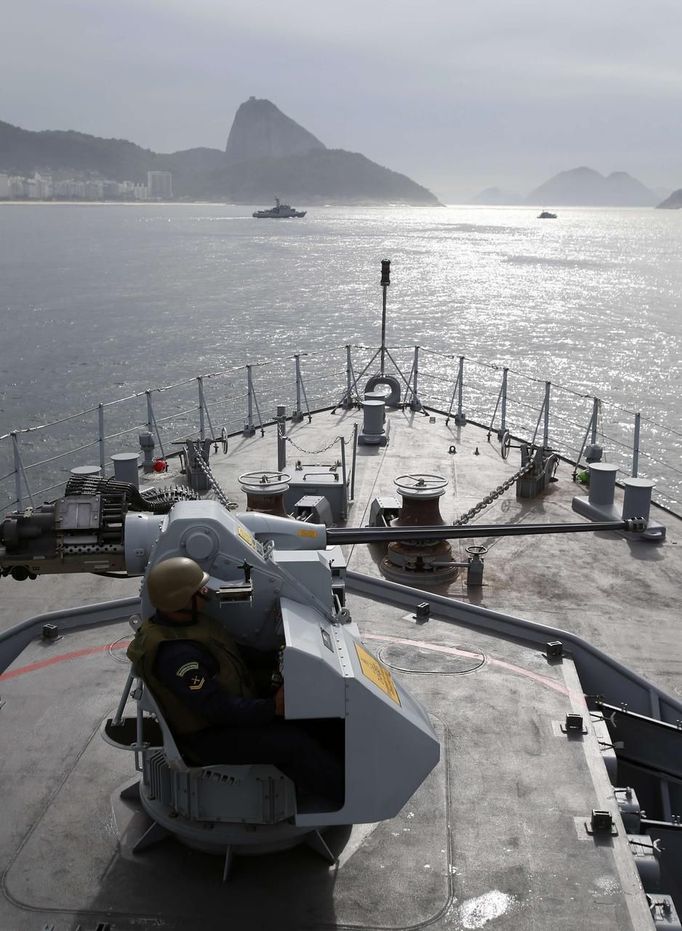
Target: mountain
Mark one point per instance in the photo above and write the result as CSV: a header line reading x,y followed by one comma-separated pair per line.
x,y
674,202
328,176
260,130
267,154
496,197
22,152
68,153
585,187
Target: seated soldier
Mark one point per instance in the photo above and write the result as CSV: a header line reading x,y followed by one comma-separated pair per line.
x,y
206,691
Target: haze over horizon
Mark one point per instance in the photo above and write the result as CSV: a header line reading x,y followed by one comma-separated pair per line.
x,y
459,98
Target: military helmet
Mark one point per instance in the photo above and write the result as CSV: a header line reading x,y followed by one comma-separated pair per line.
x,y
172,582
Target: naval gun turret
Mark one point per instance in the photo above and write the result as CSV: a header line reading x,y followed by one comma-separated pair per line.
x,y
276,585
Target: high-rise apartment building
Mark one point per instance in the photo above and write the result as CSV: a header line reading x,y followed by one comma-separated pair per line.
x,y
159,185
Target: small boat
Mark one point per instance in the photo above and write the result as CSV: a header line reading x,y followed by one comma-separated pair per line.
x,y
545,215
279,211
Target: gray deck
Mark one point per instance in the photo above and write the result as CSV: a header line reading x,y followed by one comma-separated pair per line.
x,y
495,837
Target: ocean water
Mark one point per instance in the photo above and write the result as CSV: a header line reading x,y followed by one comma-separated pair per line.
x,y
101,301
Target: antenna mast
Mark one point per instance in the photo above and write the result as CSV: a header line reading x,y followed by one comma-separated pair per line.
x,y
385,282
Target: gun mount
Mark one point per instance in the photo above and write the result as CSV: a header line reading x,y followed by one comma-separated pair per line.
x,y
276,588
277,585
108,528
84,531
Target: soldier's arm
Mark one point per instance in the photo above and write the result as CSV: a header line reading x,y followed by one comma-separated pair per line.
x,y
188,670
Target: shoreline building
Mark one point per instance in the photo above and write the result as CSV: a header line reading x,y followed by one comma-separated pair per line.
x,y
159,185
45,188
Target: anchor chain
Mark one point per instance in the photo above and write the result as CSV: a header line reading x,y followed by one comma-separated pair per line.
x,y
213,482
493,496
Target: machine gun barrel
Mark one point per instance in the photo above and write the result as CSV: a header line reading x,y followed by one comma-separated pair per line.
x,y
338,536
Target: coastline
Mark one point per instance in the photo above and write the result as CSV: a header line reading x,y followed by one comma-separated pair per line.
x,y
118,203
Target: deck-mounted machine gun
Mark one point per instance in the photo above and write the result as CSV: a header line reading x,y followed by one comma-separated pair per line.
x,y
82,532
277,585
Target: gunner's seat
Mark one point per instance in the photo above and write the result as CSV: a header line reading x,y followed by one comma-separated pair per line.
x,y
245,793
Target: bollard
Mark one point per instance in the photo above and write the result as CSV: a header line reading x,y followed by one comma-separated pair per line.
x,y
374,416
637,498
87,470
602,483
125,468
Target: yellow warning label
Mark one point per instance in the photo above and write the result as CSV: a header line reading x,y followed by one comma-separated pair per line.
x,y
246,536
377,673
306,533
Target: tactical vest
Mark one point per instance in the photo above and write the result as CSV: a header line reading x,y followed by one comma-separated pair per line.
x,y
232,675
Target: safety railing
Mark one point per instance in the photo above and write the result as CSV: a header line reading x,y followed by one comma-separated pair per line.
x,y
36,462
531,409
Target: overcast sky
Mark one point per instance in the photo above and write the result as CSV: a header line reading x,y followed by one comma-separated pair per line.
x,y
458,95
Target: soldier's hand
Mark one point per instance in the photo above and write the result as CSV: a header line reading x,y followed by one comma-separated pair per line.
x,y
279,701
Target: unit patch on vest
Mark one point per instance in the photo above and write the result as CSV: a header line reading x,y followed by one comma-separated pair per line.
x,y
194,681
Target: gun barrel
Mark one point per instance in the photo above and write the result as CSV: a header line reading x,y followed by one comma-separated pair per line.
x,y
338,536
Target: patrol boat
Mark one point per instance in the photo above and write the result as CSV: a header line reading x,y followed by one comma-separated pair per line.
x,y
278,212
484,624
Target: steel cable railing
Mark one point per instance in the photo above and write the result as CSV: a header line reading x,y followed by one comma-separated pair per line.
x,y
184,409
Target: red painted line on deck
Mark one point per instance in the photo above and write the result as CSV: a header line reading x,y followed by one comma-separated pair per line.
x,y
454,651
63,658
435,648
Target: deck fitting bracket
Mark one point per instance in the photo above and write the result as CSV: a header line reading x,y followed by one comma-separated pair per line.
x,y
601,823
573,726
422,613
50,633
554,651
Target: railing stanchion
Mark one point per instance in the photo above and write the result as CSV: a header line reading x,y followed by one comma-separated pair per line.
x,y
545,433
249,429
541,417
595,418
355,457
297,415
281,438
152,425
100,440
415,403
344,477
347,399
17,471
635,446
202,424
460,418
503,410
452,401
591,432
150,412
